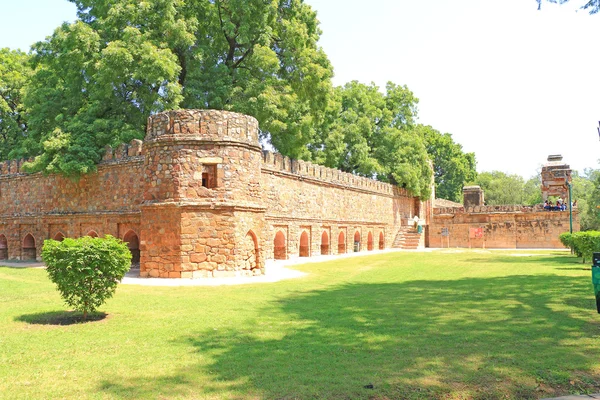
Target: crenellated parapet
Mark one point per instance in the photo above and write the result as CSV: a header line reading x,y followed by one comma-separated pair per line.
x,y
278,163
124,152
13,167
203,125
488,209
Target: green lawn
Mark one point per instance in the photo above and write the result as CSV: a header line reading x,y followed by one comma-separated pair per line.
x,y
445,324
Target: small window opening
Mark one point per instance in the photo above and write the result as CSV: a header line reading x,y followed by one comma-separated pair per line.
x,y
209,176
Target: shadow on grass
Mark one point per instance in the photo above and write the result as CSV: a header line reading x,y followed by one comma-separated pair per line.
x,y
517,337
60,318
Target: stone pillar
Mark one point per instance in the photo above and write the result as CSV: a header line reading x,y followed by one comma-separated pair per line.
x,y
555,178
472,196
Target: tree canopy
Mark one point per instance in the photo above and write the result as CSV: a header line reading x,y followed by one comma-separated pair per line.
x,y
452,167
94,82
14,75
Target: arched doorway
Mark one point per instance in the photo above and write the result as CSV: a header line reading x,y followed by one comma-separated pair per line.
x,y
59,237
92,234
250,251
133,243
304,247
370,241
324,243
356,241
3,248
381,241
341,243
28,251
279,247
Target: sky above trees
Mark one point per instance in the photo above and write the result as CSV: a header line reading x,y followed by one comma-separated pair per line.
x,y
510,83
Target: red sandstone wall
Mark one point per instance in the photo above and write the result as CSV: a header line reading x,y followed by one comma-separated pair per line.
x,y
106,202
507,227
322,202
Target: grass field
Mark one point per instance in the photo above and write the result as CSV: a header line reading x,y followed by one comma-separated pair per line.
x,y
444,324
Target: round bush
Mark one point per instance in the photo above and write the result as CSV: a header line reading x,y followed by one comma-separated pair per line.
x,y
86,270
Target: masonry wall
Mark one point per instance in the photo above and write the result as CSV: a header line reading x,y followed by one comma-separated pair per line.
x,y
199,198
105,202
321,202
509,227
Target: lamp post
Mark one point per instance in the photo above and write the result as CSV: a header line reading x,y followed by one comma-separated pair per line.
x,y
569,185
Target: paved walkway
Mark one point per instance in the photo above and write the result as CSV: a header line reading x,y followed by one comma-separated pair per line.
x,y
575,397
276,270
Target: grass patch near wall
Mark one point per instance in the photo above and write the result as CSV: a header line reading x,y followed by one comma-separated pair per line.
x,y
405,325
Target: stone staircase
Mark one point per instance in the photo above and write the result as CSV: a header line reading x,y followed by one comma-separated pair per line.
x,y
408,238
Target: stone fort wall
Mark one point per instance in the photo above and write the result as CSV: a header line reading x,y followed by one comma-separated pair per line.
x,y
501,227
200,198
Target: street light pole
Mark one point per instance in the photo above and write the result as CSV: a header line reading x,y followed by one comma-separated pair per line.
x,y
570,208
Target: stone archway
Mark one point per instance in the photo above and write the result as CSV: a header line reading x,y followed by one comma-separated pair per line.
x,y
59,237
249,251
133,243
381,241
279,246
341,243
324,243
3,248
370,241
304,245
356,241
28,251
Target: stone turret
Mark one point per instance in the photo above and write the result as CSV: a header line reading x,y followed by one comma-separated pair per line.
x,y
556,175
202,213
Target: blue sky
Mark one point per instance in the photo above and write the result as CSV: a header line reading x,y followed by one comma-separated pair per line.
x,y
510,83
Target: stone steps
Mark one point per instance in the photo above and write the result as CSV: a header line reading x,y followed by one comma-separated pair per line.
x,y
408,239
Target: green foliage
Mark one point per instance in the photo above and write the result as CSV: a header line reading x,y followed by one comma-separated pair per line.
x,y
452,167
592,5
500,188
586,191
372,134
585,243
14,74
566,239
87,270
88,91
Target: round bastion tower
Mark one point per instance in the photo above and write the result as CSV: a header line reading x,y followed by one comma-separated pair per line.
x,y
203,213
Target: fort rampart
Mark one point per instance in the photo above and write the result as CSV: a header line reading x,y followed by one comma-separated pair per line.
x,y
199,197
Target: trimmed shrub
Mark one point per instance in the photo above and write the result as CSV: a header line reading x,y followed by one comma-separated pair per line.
x,y
566,239
86,270
586,243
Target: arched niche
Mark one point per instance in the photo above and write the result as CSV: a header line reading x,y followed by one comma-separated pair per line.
x,y
304,245
250,251
3,248
356,241
133,243
92,234
370,241
59,237
381,241
324,243
279,246
341,243
28,250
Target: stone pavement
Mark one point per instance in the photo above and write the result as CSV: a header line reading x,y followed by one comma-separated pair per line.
x,y
576,397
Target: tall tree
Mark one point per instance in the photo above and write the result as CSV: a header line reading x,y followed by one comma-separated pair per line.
x,y
126,59
87,92
372,134
452,167
14,74
500,188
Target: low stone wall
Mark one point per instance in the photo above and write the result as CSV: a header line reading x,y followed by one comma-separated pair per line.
x,y
503,227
